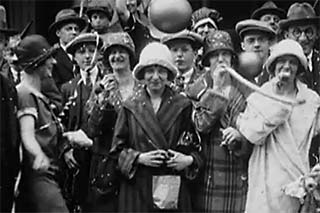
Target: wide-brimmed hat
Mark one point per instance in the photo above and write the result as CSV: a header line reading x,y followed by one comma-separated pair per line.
x,y
3,23
286,47
155,53
103,6
250,25
268,8
84,38
32,51
195,39
66,16
299,14
122,39
205,15
214,41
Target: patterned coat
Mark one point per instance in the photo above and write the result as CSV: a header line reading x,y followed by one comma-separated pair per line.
x,y
222,184
139,129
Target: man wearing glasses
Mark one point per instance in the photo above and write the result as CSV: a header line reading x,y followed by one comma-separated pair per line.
x,y
302,25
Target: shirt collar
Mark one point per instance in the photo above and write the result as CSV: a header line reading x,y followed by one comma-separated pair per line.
x,y
93,75
187,75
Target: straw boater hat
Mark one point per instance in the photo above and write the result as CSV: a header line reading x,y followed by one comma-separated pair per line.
x,y
64,17
286,47
205,15
217,40
122,39
249,25
299,14
155,53
32,51
3,23
85,38
268,8
195,39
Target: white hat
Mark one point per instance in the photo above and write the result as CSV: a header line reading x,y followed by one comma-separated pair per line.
x,y
286,47
155,53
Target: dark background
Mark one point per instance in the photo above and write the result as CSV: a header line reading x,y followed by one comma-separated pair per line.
x,y
20,12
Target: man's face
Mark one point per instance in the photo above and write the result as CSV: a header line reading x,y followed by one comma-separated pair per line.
x,y
84,54
257,42
155,78
306,35
204,29
272,20
286,68
67,32
99,21
183,55
220,57
119,58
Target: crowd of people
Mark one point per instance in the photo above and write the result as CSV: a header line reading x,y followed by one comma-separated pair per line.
x,y
120,117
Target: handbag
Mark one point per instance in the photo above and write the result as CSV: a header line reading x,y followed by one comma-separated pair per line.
x,y
165,191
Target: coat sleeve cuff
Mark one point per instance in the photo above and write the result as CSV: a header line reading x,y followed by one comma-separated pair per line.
x,y
127,162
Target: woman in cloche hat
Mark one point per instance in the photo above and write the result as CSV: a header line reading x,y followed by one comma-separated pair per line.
x,y
154,140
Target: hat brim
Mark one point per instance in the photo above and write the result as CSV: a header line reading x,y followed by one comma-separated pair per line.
x,y
37,61
72,48
138,71
262,11
56,25
195,43
289,22
246,30
205,57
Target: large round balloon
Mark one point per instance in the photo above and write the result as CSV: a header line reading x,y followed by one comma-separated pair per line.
x,y
170,16
250,65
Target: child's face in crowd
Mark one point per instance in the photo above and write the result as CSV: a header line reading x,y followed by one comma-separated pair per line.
x,y
99,20
183,55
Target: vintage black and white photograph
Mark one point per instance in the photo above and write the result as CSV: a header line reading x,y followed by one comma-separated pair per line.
x,y
160,106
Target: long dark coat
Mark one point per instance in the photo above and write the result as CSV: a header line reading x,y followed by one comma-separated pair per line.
x,y
139,129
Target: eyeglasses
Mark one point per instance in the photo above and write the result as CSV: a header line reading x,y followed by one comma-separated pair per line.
x,y
297,32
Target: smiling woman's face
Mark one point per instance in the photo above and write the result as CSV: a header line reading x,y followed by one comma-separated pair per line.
x,y
119,58
155,77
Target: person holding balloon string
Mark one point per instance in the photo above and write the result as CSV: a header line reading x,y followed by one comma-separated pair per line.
x,y
222,186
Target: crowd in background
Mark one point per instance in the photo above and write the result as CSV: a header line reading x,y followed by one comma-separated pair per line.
x,y
118,116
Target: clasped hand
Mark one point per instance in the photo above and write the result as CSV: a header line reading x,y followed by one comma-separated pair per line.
x,y
170,158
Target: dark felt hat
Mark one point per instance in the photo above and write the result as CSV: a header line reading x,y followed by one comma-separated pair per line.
x,y
3,23
66,16
268,8
300,13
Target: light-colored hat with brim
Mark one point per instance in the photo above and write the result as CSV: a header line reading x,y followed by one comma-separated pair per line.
x,y
300,14
155,53
214,41
85,38
286,47
64,17
251,25
195,39
268,8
